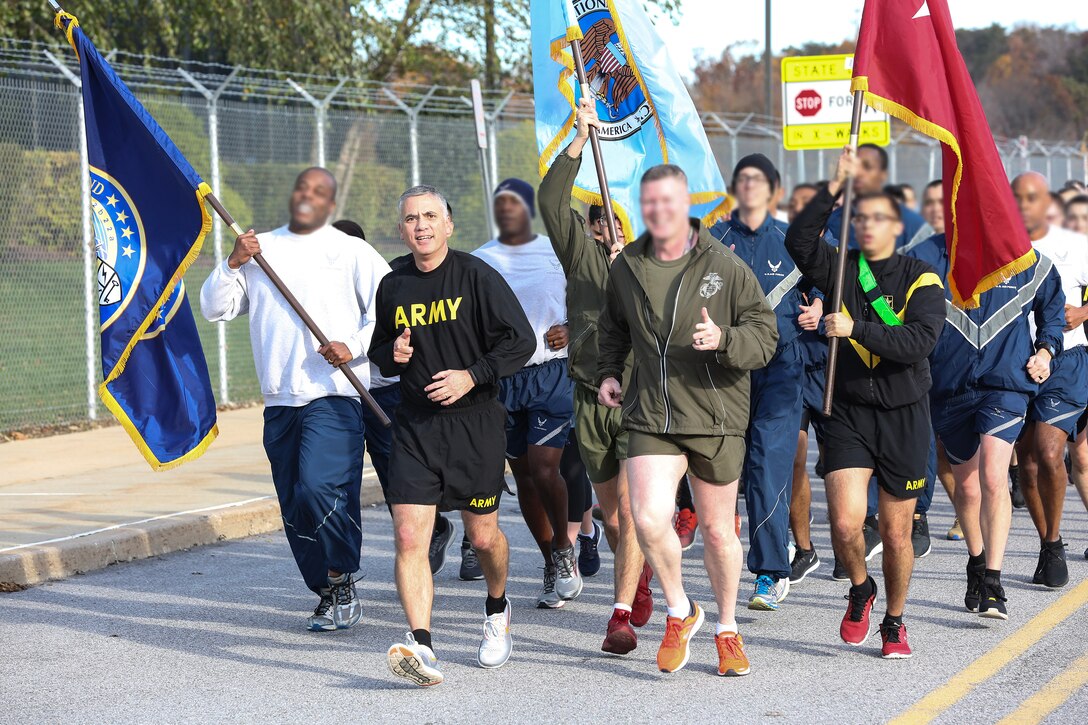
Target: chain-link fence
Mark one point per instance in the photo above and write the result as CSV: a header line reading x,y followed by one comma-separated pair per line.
x,y
249,132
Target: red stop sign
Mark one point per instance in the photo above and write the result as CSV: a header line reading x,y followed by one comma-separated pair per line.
x,y
808,102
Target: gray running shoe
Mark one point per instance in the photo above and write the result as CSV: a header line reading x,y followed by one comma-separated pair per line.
x,y
440,542
568,581
470,564
497,645
346,610
321,620
548,599
414,662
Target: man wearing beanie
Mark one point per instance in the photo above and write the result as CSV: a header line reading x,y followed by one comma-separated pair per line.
x,y
539,397
759,239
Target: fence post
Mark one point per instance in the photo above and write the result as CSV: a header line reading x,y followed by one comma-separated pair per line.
x,y
820,170
493,122
90,303
212,97
413,127
320,109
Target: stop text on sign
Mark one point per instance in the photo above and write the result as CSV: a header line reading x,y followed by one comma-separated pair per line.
x,y
808,102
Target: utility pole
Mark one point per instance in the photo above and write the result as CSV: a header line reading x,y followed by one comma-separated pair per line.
x,y
767,57
491,60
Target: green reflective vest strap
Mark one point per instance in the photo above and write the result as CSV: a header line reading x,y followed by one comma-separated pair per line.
x,y
875,295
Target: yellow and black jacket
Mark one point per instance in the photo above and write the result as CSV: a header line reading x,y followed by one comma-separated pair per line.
x,y
879,365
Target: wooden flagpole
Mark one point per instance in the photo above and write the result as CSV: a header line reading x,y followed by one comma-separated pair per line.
x,y
844,247
595,142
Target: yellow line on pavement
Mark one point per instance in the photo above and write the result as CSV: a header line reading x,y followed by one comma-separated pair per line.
x,y
989,664
1051,696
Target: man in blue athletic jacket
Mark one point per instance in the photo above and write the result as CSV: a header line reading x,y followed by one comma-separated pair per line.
x,y
985,368
758,238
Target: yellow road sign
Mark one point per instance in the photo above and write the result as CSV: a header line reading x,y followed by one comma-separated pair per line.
x,y
817,104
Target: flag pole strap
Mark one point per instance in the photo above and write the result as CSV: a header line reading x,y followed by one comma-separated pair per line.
x,y
297,307
844,247
595,141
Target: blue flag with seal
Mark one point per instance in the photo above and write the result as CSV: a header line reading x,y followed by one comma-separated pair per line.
x,y
647,116
149,220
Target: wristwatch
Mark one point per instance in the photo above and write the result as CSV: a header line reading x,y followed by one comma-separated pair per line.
x,y
1048,347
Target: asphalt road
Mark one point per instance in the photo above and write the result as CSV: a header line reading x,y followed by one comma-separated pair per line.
x,y
217,634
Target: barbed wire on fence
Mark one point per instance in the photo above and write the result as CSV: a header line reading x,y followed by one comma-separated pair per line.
x,y
249,132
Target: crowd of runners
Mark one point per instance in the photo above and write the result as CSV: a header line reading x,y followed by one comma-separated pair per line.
x,y
668,378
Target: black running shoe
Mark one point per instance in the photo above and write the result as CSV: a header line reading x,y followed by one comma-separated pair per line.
x,y
873,543
589,558
1052,571
839,572
975,576
919,537
803,564
471,570
993,600
1014,488
440,541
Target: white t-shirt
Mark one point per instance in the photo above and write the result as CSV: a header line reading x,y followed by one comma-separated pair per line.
x,y
334,276
1069,253
535,275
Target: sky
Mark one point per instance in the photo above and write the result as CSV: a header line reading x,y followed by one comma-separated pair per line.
x,y
707,27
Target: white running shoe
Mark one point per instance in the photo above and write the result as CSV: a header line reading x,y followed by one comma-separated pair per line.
x,y
548,599
414,662
568,581
346,611
322,618
497,644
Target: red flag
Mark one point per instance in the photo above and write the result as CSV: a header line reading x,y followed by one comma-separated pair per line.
x,y
909,66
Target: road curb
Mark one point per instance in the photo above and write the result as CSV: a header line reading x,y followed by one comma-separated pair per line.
x,y
129,542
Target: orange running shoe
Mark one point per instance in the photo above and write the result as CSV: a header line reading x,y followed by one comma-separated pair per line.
x,y
686,524
732,661
737,520
674,651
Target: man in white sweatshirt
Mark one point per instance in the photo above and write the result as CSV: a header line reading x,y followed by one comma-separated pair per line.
x,y
313,419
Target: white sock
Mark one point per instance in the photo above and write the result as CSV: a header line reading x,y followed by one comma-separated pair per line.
x,y
622,607
731,627
682,612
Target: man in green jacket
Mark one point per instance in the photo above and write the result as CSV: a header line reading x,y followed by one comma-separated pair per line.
x,y
696,321
601,441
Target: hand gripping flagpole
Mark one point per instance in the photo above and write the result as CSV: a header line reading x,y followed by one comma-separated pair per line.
x,y
844,245
297,307
595,141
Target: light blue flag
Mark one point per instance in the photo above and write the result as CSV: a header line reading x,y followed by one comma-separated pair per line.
x,y
647,115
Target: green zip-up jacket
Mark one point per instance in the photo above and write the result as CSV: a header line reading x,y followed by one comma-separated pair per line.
x,y
585,262
675,388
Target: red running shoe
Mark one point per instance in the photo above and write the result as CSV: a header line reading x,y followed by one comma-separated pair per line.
x,y
643,606
621,637
895,642
686,524
738,524
855,624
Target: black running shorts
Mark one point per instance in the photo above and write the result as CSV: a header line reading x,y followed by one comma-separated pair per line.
x,y
894,443
453,459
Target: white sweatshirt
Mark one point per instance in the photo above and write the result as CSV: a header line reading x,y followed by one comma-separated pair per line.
x,y
334,276
1069,254
535,275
